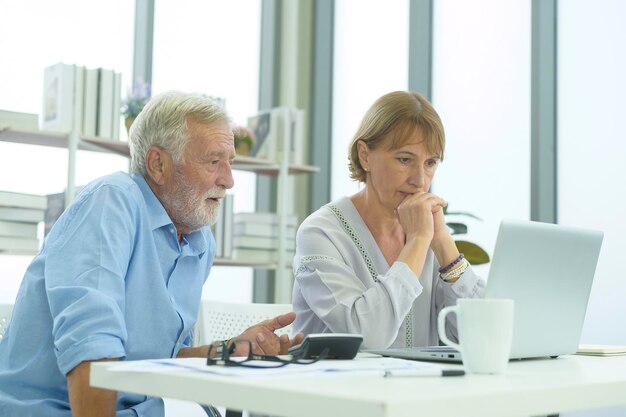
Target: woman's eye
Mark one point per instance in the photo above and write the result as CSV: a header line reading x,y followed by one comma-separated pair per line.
x,y
431,163
404,160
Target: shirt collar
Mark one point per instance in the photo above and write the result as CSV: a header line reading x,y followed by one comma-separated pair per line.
x,y
158,215
197,240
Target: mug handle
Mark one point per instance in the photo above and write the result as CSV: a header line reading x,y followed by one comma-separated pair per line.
x,y
441,326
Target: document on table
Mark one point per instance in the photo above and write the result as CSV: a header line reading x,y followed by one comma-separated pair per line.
x,y
388,367
601,350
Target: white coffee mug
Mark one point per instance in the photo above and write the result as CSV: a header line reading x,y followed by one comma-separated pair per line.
x,y
485,329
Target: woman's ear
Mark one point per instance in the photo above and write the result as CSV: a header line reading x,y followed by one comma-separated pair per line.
x,y
158,165
363,151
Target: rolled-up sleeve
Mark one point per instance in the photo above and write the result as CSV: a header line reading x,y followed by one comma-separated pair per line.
x,y
85,274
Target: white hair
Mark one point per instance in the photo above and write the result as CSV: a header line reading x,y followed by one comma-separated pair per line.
x,y
163,123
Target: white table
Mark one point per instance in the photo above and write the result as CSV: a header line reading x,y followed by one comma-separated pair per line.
x,y
530,387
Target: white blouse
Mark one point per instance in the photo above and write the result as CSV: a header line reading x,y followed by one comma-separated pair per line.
x,y
343,284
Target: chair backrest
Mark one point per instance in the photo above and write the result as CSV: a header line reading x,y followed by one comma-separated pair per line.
x,y
219,320
6,311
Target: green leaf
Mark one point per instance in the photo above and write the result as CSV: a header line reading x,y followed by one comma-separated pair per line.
x,y
474,254
457,228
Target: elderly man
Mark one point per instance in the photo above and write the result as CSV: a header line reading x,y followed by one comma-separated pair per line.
x,y
121,272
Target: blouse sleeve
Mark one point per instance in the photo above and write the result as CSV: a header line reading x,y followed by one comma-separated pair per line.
x,y
348,303
469,285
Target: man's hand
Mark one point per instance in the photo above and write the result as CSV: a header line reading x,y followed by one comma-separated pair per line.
x,y
86,400
263,339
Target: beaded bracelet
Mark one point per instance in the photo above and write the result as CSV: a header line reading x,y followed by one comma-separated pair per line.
x,y
453,275
449,267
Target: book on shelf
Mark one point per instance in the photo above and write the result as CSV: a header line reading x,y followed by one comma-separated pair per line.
x,y
104,121
218,231
117,103
18,245
18,229
79,97
18,120
218,227
261,242
297,137
81,100
264,217
24,215
30,201
58,98
54,209
90,102
272,127
265,126
227,238
261,229
259,255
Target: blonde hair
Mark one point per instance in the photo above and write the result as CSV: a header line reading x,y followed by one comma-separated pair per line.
x,y
163,123
391,121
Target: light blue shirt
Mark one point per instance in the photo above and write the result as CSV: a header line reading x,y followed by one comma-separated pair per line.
x,y
111,281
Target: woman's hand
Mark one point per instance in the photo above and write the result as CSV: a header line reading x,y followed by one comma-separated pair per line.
x,y
421,216
442,243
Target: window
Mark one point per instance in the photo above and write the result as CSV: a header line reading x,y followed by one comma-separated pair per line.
x,y
592,150
481,89
212,48
370,59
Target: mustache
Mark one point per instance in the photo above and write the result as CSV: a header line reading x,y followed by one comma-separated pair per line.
x,y
217,192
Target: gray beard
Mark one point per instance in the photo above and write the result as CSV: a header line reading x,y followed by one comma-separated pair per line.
x,y
188,209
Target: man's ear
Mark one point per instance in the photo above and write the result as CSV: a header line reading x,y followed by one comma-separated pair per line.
x,y
158,165
363,152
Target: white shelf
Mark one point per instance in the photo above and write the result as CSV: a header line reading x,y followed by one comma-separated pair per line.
x,y
51,139
280,169
88,143
239,262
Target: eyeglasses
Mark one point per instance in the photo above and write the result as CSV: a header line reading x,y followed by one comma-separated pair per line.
x,y
254,360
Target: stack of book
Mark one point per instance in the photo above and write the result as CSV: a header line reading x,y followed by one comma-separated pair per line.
x,y
18,120
19,216
272,127
83,100
256,237
223,228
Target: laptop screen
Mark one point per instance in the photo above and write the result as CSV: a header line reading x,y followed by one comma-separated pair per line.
x,y
548,270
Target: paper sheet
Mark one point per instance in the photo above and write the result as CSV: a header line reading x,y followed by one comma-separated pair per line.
x,y
369,366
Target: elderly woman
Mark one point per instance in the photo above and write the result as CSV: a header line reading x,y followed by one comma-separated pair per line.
x,y
382,262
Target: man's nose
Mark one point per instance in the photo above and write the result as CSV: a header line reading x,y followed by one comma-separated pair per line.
x,y
225,179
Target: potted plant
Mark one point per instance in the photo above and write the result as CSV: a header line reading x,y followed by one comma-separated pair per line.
x,y
244,140
474,254
134,102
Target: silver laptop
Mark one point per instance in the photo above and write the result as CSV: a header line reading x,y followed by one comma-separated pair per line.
x,y
548,270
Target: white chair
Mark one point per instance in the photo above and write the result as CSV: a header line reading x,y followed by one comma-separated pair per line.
x,y
6,310
220,320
